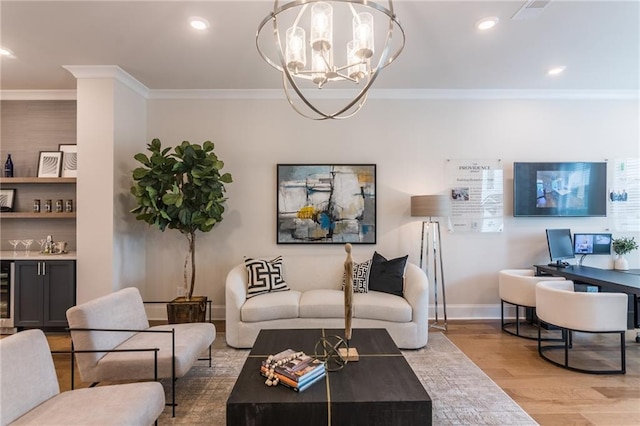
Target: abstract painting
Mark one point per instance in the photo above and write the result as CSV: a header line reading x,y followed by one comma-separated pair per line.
x,y
324,203
6,199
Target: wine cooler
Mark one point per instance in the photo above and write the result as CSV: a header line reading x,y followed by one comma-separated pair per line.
x,y
6,297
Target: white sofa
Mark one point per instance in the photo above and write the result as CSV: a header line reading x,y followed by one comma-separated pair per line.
x,y
316,300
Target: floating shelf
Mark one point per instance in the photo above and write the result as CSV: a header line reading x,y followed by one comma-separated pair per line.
x,y
30,215
14,180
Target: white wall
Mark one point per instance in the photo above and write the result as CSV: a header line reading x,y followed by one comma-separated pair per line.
x,y
410,142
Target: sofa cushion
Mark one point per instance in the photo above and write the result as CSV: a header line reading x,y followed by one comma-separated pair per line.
x,y
264,276
360,277
387,276
322,303
271,306
381,306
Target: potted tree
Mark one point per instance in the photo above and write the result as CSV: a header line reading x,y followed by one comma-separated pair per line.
x,y
623,246
182,190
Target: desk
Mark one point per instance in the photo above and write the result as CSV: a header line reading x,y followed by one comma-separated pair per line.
x,y
606,279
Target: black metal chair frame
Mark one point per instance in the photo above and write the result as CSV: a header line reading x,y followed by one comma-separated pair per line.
x,y
517,323
568,344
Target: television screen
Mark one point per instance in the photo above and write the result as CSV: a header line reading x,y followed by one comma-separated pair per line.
x,y
560,246
592,243
560,189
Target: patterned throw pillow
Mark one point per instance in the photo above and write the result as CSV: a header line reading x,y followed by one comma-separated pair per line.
x,y
264,276
360,277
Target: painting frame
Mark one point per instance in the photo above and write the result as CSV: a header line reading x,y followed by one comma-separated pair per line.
x,y
325,203
49,164
69,160
6,199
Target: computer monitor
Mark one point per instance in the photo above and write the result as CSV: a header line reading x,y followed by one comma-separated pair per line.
x,y
560,246
591,243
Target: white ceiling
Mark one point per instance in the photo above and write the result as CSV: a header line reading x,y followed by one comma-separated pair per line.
x,y
598,42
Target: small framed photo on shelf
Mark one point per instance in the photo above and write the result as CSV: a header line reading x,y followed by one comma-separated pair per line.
x,y
69,160
49,164
6,199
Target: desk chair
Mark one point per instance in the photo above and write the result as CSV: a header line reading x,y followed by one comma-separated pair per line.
x,y
517,287
558,305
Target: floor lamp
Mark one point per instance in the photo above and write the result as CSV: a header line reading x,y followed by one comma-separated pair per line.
x,y
432,206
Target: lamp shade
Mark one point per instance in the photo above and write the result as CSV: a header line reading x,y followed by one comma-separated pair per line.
x,y
430,205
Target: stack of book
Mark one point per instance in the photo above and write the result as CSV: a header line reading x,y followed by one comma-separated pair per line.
x,y
298,373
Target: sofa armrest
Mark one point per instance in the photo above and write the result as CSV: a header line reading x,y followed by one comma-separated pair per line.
x,y
416,292
235,296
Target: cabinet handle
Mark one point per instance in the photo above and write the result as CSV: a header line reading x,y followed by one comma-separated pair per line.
x,y
39,268
44,268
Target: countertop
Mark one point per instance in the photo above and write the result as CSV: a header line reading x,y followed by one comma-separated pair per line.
x,y
35,255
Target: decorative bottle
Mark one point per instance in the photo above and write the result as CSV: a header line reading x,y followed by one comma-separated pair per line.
x,y
8,167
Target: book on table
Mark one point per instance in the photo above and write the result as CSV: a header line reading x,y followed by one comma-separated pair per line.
x,y
297,374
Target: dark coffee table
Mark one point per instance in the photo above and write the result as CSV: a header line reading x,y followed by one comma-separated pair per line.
x,y
380,389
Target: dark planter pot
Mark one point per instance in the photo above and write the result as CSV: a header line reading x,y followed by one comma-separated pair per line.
x,y
180,310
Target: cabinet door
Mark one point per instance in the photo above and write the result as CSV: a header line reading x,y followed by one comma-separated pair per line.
x,y
59,291
29,294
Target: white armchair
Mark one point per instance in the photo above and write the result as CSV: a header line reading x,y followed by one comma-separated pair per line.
x,y
517,287
558,305
31,393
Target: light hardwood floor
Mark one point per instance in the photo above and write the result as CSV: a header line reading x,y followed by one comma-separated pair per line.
x,y
551,395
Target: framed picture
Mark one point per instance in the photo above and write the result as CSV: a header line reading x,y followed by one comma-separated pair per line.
x,y
69,160
326,204
49,164
6,199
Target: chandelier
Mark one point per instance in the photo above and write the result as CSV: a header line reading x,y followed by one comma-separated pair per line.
x,y
308,56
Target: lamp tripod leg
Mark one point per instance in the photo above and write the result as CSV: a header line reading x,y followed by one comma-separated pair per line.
x,y
437,256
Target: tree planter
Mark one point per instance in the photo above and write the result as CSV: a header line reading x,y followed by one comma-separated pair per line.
x,y
180,310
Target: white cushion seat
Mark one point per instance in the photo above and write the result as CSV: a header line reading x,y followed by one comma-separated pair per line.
x,y
322,303
560,306
382,306
266,307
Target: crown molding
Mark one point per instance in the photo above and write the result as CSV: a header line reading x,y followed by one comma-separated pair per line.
x,y
381,94
108,71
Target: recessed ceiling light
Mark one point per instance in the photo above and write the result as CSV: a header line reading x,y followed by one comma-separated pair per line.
x,y
198,23
6,52
556,70
487,23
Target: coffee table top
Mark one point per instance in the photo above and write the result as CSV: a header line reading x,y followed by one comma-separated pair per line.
x,y
381,375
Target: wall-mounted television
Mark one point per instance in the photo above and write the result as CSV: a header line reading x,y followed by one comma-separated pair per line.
x,y
560,189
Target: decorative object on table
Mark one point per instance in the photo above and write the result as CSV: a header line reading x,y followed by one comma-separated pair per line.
x,y
622,246
8,167
295,370
6,199
326,204
49,164
182,190
69,160
329,349
317,69
349,353
432,206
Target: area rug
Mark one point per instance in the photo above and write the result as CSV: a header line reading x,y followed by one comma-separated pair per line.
x,y
462,394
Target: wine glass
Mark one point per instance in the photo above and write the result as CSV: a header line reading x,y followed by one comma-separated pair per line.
x,y
41,241
14,243
27,244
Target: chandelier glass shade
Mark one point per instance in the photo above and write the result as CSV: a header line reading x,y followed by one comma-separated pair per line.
x,y
311,56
